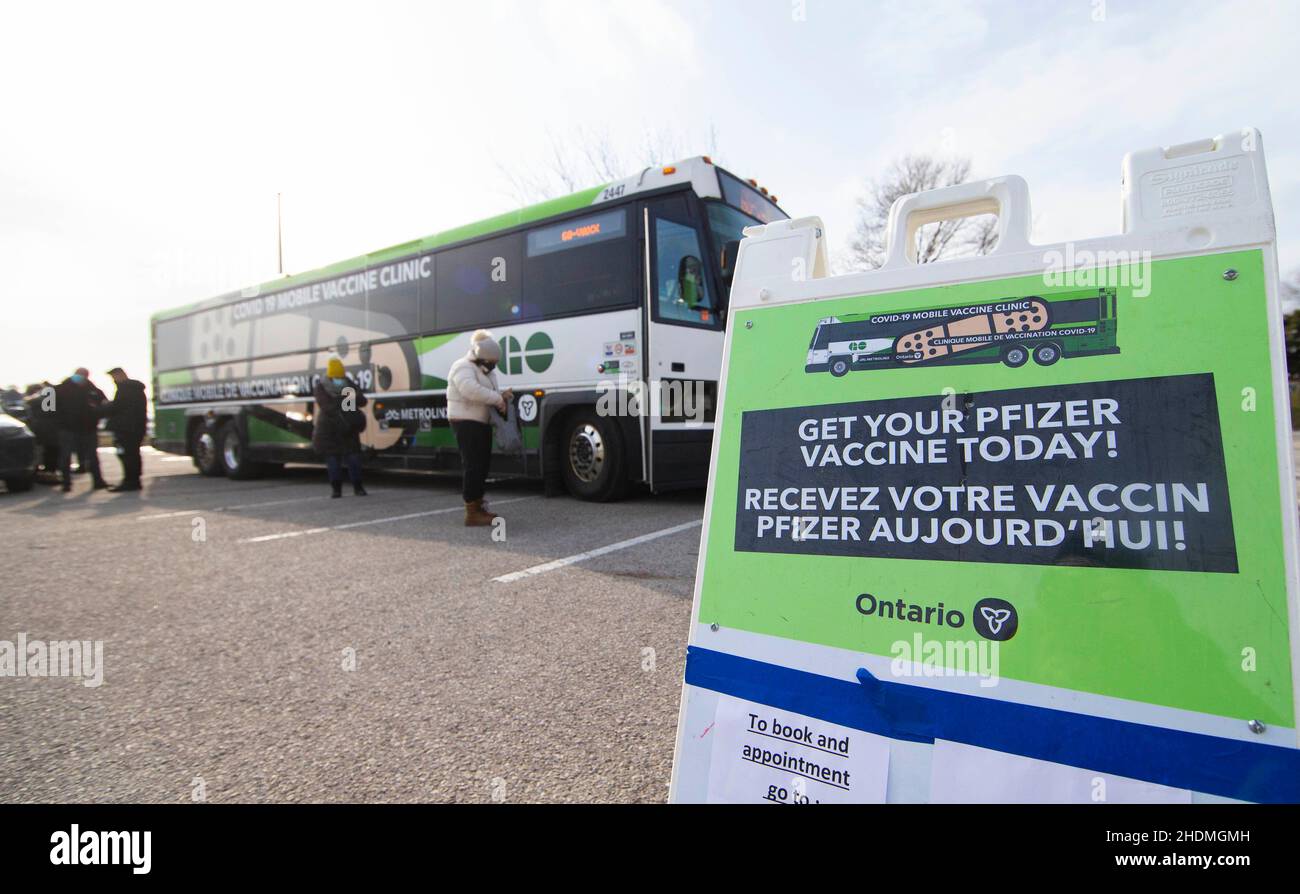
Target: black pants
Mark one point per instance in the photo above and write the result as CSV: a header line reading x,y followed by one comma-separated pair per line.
x,y
128,451
335,463
475,442
85,445
49,454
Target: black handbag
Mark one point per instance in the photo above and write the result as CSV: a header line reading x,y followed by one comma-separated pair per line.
x,y
354,421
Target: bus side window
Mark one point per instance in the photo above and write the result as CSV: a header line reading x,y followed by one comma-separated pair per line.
x,y
393,305
682,289
428,292
581,265
480,284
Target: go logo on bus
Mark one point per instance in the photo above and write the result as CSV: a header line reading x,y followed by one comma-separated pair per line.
x,y
538,353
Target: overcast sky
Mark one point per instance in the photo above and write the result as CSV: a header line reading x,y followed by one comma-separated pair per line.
x,y
142,145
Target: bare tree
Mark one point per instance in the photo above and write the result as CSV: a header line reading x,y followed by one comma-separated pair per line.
x,y
555,174
983,235
947,238
588,157
1290,291
603,159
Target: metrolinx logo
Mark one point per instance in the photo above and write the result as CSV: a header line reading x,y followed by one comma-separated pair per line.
x,y
538,352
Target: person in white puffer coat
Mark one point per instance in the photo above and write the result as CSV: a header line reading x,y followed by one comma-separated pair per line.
x,y
472,392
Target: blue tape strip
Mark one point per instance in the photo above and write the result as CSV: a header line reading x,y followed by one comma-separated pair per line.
x,y
1249,771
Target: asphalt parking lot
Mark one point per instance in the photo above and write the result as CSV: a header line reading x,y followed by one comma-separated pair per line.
x,y
520,671
263,642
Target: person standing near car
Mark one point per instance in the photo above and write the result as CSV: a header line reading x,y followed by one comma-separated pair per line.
x,y
336,430
40,404
76,403
127,419
472,391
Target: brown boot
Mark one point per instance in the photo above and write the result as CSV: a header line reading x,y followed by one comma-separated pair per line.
x,y
476,516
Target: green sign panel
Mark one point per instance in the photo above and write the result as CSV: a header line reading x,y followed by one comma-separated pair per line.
x,y
1086,474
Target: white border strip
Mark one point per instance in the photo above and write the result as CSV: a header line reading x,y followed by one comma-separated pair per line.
x,y
842,664
562,388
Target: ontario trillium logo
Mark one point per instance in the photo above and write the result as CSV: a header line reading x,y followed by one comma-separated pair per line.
x,y
995,619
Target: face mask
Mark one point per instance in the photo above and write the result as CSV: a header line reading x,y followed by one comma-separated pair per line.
x,y
338,382
488,367
78,379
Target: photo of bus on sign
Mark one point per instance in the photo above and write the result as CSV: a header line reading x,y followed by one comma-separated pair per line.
x,y
1010,331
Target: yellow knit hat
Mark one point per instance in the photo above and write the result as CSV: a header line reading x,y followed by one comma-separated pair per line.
x,y
334,369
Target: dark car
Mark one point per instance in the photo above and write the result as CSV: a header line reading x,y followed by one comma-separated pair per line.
x,y
17,454
11,401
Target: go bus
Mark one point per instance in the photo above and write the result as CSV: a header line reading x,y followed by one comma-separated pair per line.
x,y
1008,330
616,290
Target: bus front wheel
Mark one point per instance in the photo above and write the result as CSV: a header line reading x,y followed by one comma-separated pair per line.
x,y
1015,356
204,451
594,459
839,366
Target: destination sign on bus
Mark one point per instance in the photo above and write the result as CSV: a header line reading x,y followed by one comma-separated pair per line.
x,y
572,233
592,229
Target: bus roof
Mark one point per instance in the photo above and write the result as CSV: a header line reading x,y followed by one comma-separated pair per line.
x,y
699,172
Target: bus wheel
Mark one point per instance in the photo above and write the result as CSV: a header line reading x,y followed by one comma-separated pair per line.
x,y
204,452
1015,356
593,459
1046,355
839,366
234,453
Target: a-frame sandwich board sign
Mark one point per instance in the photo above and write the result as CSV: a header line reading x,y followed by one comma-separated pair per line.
x,y
1011,527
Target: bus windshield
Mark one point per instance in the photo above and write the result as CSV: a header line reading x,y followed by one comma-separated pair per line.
x,y
726,224
750,201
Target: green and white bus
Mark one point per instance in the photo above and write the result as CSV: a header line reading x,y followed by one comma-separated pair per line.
x,y
618,288
1080,323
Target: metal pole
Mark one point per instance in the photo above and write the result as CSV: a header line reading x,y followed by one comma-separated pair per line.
x,y
279,234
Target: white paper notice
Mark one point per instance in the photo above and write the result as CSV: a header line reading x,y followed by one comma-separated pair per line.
x,y
761,754
965,774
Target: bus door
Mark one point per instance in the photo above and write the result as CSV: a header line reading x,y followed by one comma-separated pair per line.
x,y
683,344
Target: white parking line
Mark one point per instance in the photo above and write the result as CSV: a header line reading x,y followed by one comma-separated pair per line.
x,y
265,538
150,451
285,535
179,512
593,553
